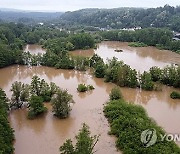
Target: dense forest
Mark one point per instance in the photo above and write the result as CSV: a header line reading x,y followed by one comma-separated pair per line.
x,y
166,16
93,19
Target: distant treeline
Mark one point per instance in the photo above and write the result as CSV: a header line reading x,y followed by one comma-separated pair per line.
x,y
28,17
159,37
166,16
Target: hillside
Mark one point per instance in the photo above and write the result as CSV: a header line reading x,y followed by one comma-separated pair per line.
x,y
166,16
12,15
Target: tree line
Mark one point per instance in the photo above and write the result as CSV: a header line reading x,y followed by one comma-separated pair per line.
x,y
158,37
6,132
167,16
115,71
13,38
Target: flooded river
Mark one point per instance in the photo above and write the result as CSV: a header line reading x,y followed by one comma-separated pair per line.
x,y
141,58
47,133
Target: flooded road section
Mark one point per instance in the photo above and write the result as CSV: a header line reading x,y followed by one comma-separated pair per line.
x,y
47,133
139,58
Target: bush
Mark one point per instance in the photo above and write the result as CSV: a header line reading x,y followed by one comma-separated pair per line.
x,y
127,122
36,107
90,87
175,95
82,88
115,94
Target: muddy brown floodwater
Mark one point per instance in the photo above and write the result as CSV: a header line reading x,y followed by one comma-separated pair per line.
x,y
34,49
45,134
139,58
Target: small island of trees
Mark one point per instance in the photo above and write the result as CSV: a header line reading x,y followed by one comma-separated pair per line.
x,y
34,96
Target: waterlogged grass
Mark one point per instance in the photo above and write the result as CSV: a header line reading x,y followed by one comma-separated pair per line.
x,y
137,44
127,122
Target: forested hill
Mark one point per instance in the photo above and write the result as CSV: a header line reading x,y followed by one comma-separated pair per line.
x,y
166,16
27,17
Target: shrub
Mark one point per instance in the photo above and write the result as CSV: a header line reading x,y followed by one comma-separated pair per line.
x,y
115,94
90,87
82,88
175,95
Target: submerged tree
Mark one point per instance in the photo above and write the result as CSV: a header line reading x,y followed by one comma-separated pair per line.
x,y
36,107
20,94
85,143
100,70
146,81
61,103
42,88
36,85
